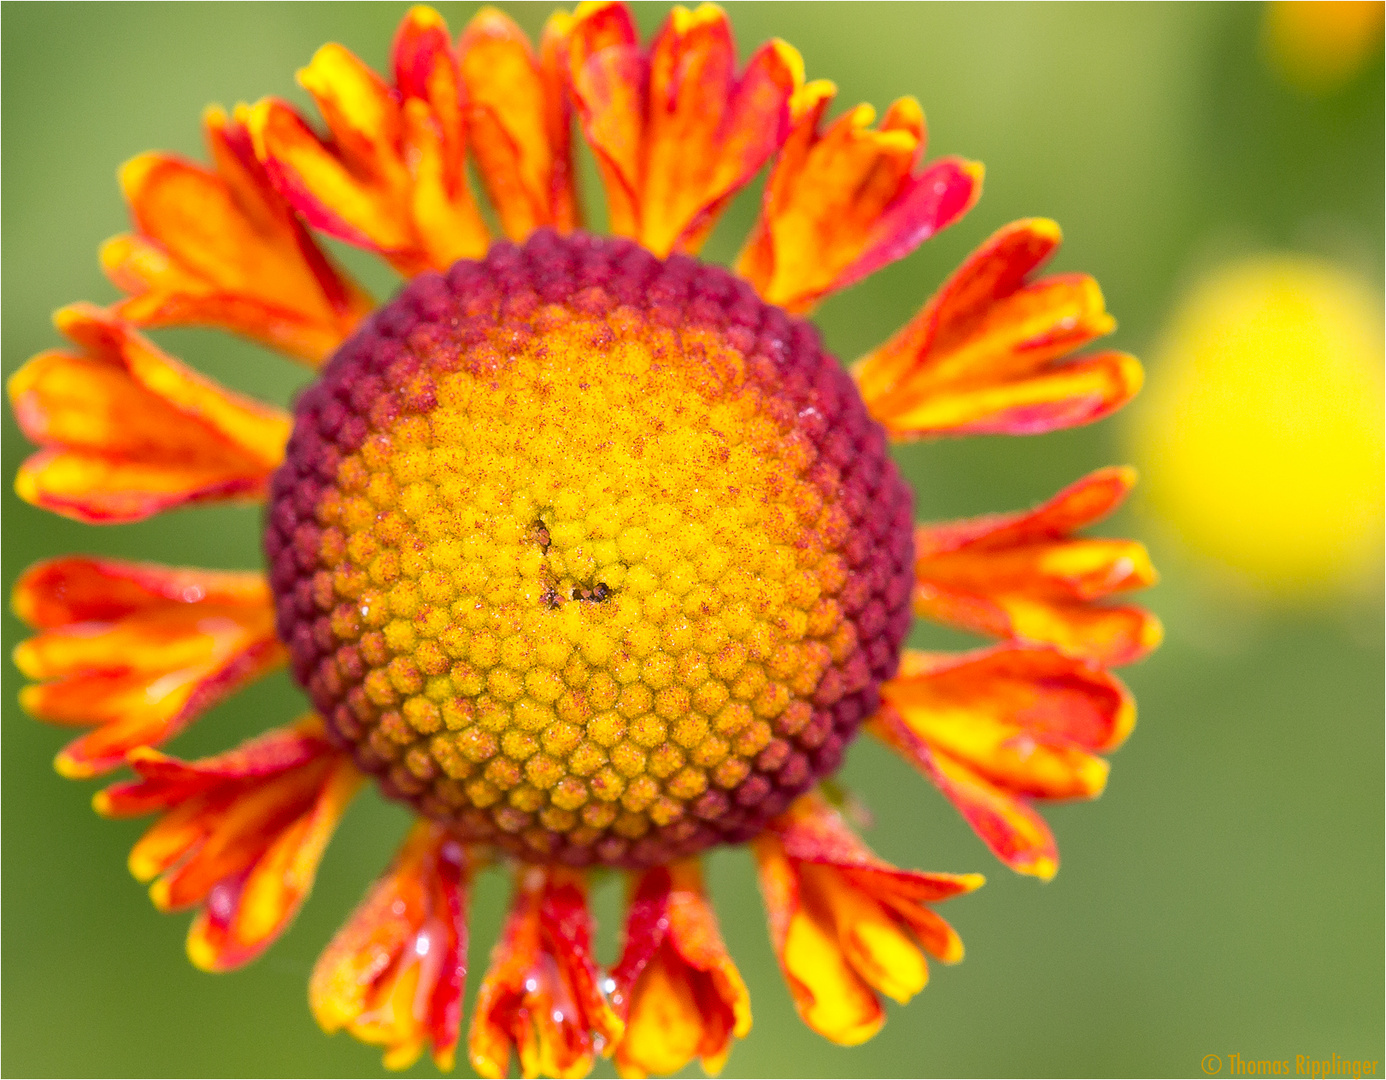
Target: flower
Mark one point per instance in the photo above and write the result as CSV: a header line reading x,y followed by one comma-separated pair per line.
x,y
1320,48
584,550
1282,493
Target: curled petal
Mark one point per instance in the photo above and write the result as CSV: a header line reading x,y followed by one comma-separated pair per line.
x,y
846,924
989,353
542,994
519,121
1004,821
676,131
677,988
390,177
239,835
394,974
219,247
1025,576
843,202
127,431
138,651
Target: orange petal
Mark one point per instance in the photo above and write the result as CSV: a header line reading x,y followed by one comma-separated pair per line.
x,y
218,247
1061,396
872,940
841,920
166,782
234,927
138,650
606,78
390,178
1025,576
394,974
987,353
813,832
519,123
680,992
79,589
995,270
1006,823
830,996
707,131
1083,502
129,431
676,131
140,708
541,994
1024,717
842,203
241,834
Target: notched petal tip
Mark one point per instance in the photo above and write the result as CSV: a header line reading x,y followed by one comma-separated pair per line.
x,y
1026,576
136,651
128,431
843,202
675,984
676,129
846,924
393,975
389,176
990,351
239,835
218,247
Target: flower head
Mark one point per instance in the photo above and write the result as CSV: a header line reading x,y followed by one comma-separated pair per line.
x,y
584,550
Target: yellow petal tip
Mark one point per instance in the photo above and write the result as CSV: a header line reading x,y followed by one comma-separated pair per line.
x,y
73,768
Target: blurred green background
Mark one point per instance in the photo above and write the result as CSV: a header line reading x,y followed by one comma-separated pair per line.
x,y
1225,895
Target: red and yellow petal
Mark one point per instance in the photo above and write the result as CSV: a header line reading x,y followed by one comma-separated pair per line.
x,y
708,130
519,121
676,131
845,924
218,247
241,835
127,431
1003,820
393,976
390,177
829,994
676,987
606,77
1025,576
843,202
136,650
991,696
542,994
988,353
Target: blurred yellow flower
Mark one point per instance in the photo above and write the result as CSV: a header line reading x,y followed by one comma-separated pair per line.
x,y
1320,45
1261,429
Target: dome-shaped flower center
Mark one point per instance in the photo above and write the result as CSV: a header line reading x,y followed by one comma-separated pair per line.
x,y
588,554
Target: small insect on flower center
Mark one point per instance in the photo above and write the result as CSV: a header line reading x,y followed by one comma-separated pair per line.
x,y
588,554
